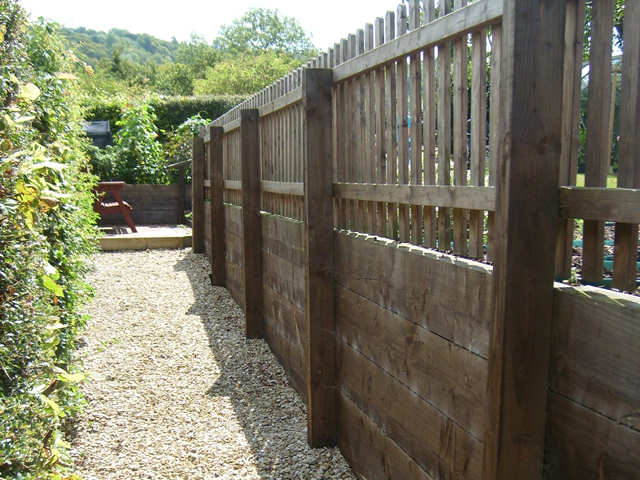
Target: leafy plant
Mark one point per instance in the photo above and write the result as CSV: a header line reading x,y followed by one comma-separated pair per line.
x,y
46,229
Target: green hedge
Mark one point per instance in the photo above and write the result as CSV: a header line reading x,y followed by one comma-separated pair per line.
x,y
171,111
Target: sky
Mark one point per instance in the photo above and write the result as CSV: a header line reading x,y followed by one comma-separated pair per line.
x,y
334,20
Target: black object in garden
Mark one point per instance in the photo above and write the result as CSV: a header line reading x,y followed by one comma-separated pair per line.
x,y
99,132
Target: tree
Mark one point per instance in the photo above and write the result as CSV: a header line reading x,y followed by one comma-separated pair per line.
x,y
262,29
245,74
197,54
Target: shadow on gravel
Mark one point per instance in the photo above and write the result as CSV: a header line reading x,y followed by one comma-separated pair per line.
x,y
269,411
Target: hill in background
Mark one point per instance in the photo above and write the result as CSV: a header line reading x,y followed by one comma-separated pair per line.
x,y
91,45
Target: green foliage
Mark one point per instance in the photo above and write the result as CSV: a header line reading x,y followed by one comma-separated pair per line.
x,y
262,29
245,74
91,46
46,229
170,111
179,144
137,157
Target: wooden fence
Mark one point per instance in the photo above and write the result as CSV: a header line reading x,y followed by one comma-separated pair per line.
x,y
346,205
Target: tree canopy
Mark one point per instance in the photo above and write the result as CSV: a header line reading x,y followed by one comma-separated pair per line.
x,y
262,29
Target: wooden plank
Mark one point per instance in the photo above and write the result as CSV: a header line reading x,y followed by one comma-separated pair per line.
x,y
216,229
438,445
319,264
352,130
600,204
449,378
478,198
251,224
381,147
429,127
524,261
403,126
478,147
233,184
284,277
283,237
286,317
625,268
283,188
460,99
233,281
583,444
432,290
477,15
571,93
597,153
233,248
197,187
594,356
231,126
415,113
285,101
233,219
495,128
392,125
370,453
359,134
290,357
444,133
370,162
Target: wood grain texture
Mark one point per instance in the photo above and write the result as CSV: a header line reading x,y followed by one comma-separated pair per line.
x,y
600,204
594,355
524,256
438,445
252,224
233,248
285,316
216,219
584,445
571,92
478,15
370,453
446,295
319,262
448,377
290,357
597,152
479,198
283,237
234,281
233,219
444,131
626,241
429,127
197,187
285,277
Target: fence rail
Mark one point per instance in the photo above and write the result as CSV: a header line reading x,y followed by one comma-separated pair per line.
x,y
339,201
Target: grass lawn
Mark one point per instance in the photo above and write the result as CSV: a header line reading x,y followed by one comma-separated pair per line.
x,y
612,180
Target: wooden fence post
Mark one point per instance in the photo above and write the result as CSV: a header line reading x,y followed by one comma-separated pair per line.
x,y
180,219
320,342
526,222
197,185
252,223
217,205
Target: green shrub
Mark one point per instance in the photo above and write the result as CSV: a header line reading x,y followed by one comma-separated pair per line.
x,y
171,112
46,230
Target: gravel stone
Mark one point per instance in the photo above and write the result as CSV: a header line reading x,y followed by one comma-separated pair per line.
x,y
175,391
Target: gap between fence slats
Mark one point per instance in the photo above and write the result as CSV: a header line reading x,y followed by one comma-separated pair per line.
x,y
476,16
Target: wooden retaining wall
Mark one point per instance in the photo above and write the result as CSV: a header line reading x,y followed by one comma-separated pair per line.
x,y
152,205
347,206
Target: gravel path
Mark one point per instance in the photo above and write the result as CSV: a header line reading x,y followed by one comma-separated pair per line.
x,y
176,391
